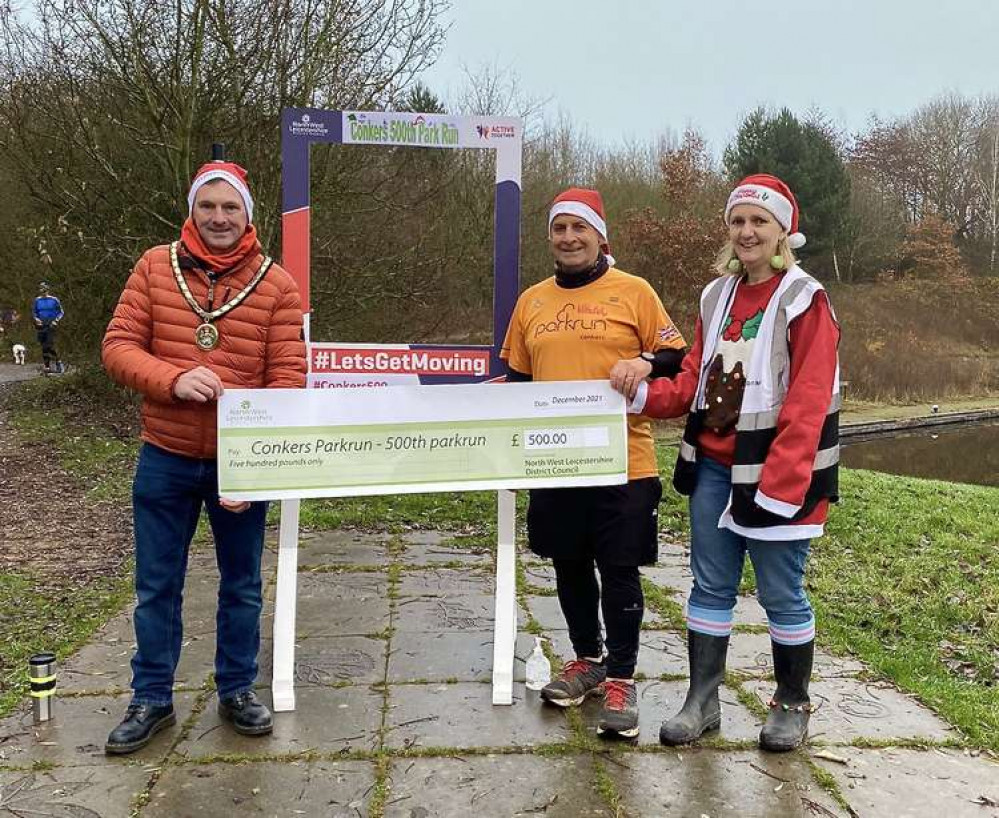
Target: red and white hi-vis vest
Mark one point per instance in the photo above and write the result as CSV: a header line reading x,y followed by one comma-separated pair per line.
x,y
749,512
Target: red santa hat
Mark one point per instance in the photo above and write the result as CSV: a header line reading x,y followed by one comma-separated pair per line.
x,y
770,193
227,171
586,204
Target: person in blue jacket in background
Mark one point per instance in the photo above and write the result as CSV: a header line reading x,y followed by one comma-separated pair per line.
x,y
47,312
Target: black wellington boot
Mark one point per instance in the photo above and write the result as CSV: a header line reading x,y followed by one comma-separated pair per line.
x,y
701,711
787,722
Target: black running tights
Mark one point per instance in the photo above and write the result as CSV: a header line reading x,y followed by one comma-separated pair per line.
x,y
618,595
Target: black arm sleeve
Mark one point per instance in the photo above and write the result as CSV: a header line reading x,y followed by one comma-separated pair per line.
x,y
666,362
513,376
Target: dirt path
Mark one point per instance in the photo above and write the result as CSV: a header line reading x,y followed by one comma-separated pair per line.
x,y
9,373
50,527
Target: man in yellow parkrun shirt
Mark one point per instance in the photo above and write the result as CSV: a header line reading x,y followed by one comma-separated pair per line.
x,y
577,325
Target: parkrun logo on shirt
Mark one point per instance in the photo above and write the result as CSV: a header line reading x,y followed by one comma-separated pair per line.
x,y
574,319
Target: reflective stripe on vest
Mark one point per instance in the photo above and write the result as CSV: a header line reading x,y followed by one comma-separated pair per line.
x,y
824,458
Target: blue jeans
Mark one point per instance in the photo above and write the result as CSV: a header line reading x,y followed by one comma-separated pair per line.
x,y
167,496
717,556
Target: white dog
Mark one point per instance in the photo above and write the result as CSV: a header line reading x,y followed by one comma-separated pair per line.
x,y
19,352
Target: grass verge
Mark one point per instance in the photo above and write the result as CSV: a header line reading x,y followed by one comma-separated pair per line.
x,y
907,580
54,614
31,622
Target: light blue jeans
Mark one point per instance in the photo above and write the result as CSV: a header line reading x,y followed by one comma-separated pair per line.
x,y
717,556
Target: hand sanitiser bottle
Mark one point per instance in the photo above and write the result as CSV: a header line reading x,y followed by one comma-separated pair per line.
x,y
539,669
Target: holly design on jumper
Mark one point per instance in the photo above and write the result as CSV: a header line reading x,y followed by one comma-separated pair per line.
x,y
745,329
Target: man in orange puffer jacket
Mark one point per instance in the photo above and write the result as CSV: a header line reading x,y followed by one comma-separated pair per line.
x,y
203,314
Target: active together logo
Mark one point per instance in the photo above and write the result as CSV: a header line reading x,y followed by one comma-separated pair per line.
x,y
486,131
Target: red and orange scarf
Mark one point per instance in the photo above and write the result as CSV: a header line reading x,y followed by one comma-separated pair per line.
x,y
244,250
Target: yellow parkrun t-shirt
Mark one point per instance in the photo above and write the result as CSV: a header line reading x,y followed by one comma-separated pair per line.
x,y
562,334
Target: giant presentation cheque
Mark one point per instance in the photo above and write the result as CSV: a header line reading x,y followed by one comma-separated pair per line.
x,y
284,443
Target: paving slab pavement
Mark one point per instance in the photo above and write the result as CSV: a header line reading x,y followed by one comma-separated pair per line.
x,y
902,783
504,785
332,660
462,716
326,720
71,792
13,373
428,547
720,784
75,736
540,577
446,582
328,548
749,654
660,653
850,710
437,614
461,656
331,789
394,715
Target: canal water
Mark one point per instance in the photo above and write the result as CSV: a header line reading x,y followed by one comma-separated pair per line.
x,y
966,454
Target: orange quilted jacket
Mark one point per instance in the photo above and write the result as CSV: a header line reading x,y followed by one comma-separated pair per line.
x,y
149,344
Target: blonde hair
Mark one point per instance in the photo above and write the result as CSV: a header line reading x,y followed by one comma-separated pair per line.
x,y
727,253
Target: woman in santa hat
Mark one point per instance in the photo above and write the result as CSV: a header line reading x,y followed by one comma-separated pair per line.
x,y
576,325
759,454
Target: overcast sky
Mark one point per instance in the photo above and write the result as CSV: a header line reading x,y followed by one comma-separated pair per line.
x,y
634,69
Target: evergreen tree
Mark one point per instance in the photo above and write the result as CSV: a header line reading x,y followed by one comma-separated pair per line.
x,y
422,100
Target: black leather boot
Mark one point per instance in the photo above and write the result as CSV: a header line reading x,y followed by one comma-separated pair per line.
x,y
246,713
701,710
141,723
787,722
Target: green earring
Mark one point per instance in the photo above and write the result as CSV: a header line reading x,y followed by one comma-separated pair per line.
x,y
734,265
777,262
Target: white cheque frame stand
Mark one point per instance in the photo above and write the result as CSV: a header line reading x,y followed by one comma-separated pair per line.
x,y
300,128
281,444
